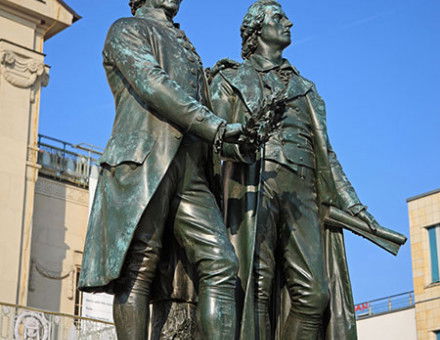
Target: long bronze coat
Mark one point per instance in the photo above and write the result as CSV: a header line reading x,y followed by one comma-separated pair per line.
x,y
236,92
157,81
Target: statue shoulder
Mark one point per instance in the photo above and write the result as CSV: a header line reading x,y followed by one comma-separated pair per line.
x,y
224,66
129,26
123,23
307,82
316,98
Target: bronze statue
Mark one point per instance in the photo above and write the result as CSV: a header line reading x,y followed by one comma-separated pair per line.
x,y
156,186
275,208
154,174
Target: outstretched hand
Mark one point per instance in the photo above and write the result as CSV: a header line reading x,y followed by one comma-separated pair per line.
x,y
368,218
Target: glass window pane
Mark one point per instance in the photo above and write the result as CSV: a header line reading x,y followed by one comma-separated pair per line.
x,y
434,236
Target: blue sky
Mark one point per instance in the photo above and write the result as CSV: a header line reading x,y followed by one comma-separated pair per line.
x,y
375,63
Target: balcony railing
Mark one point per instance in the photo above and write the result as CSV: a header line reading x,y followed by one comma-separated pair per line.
x,y
24,323
384,305
65,161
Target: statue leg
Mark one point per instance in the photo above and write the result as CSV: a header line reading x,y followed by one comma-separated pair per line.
x,y
301,241
265,250
199,229
132,288
131,315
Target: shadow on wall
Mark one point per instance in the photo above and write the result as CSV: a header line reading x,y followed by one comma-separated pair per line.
x,y
51,271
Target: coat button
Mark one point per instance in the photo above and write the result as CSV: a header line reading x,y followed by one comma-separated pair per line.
x,y
301,158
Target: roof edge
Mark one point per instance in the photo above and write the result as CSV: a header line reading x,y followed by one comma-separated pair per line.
x,y
432,192
76,16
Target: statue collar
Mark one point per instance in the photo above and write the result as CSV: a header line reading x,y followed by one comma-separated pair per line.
x,y
262,64
246,77
155,14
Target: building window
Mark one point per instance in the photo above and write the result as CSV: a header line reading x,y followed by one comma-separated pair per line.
x,y
437,335
78,295
434,248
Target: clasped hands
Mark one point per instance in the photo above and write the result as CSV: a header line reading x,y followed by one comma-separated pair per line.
x,y
257,129
248,141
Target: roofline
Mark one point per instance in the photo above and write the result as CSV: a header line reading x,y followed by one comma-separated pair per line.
x,y
76,16
435,191
23,47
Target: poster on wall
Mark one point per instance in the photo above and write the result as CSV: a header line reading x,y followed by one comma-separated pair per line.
x,y
97,306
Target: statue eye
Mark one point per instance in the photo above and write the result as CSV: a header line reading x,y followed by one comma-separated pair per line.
x,y
277,17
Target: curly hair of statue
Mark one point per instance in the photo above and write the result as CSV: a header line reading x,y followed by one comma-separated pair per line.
x,y
252,23
135,4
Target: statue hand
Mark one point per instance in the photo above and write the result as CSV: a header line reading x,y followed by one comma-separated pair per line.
x,y
228,133
368,218
249,150
232,133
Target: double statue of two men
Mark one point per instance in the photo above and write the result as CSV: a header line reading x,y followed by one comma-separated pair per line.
x,y
263,231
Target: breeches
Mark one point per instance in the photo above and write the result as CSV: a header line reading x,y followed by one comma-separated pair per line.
x,y
183,205
289,235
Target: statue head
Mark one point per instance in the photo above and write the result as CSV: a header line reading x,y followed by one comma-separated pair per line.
x,y
264,22
171,7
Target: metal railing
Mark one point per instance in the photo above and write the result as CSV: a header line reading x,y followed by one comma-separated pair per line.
x,y
66,161
24,323
384,305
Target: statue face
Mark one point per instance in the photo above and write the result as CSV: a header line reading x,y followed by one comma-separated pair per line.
x,y
171,7
276,27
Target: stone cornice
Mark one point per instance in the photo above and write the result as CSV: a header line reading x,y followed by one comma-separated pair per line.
x,y
62,191
22,67
53,15
22,71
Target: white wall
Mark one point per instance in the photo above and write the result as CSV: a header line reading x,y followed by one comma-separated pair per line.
x,y
400,325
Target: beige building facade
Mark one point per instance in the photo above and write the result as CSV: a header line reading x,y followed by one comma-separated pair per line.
x,y
24,27
424,218
62,201
59,227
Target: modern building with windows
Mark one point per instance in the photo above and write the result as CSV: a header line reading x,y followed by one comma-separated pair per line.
x,y
424,218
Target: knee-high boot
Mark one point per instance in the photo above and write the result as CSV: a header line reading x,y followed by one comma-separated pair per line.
x,y
217,314
131,315
300,328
